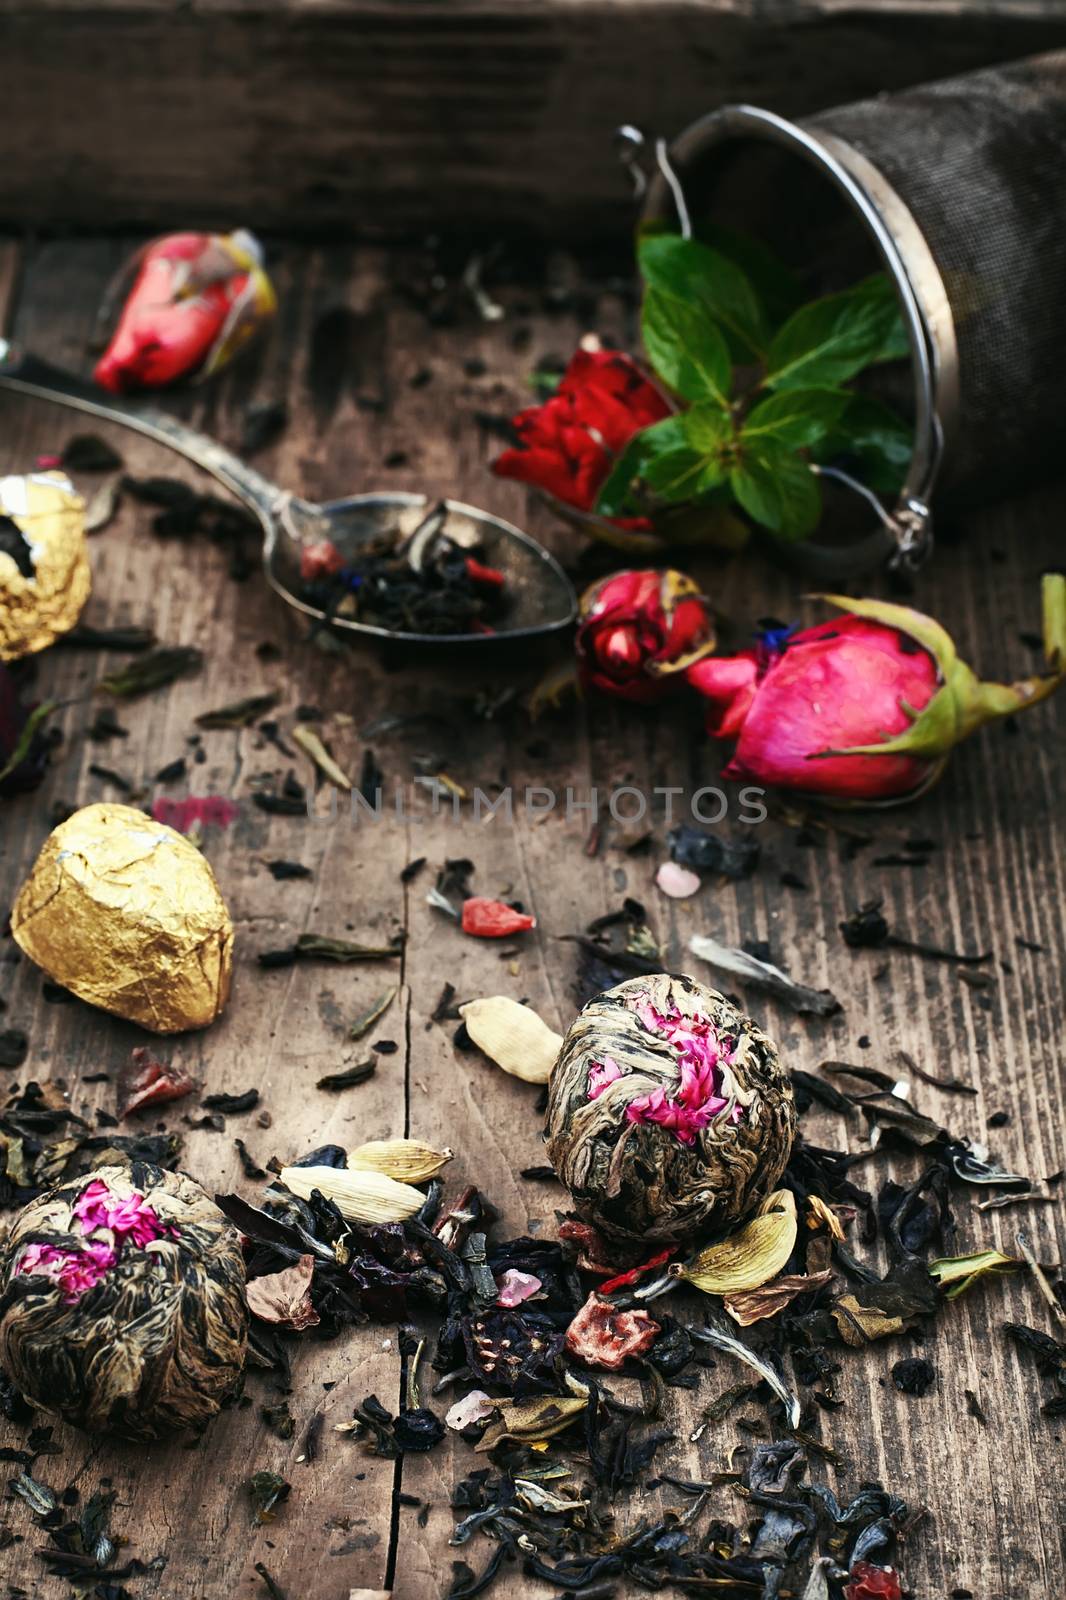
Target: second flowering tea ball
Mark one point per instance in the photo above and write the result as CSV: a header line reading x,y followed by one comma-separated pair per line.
x,y
669,1113
122,1302
126,914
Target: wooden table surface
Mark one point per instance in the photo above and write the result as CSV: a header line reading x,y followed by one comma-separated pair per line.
x,y
994,1491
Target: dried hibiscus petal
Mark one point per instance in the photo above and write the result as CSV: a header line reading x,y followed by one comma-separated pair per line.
x,y
603,1336
150,1082
493,919
868,1582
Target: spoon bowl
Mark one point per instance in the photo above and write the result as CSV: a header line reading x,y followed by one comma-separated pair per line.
x,y
541,598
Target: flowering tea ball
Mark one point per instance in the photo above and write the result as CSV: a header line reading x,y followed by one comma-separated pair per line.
x,y
126,913
123,1304
44,561
669,1114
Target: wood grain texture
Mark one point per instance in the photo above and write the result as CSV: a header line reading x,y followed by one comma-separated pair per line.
x,y
995,1492
365,116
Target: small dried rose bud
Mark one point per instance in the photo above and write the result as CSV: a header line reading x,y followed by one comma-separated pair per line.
x,y
197,299
603,1336
637,628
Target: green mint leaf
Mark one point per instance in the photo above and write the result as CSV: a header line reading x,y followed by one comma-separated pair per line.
x,y
618,498
776,285
871,442
686,349
707,429
827,342
711,284
795,418
778,490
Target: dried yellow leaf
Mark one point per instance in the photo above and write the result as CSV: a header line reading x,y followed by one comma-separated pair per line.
x,y
819,1215
513,1036
312,746
751,1256
532,1421
408,1160
360,1196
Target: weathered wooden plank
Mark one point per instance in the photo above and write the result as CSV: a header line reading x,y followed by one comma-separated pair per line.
x,y
370,115
997,875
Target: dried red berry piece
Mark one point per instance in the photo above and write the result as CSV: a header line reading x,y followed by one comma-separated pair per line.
x,y
150,1082
478,572
868,1582
493,919
603,1336
320,559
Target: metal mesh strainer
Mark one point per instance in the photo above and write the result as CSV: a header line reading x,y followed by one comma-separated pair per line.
x,y
961,187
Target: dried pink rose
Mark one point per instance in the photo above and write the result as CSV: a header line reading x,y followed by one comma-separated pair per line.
x,y
515,1286
603,1336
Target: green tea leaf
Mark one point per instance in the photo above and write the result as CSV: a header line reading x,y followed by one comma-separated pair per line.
x,y
710,283
778,489
686,349
957,1274
30,729
795,418
873,441
827,342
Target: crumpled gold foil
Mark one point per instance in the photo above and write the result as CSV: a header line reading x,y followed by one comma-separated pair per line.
x,y
126,914
37,610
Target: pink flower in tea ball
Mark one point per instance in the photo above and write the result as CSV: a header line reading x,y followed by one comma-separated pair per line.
x,y
131,1218
74,1271
602,1073
700,1054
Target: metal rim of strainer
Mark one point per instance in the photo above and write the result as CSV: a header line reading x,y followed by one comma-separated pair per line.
x,y
905,533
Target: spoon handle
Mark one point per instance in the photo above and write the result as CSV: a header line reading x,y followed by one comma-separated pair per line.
x,y
29,375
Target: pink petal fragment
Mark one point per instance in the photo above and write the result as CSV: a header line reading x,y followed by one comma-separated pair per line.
x,y
515,1286
677,881
601,1074
473,1407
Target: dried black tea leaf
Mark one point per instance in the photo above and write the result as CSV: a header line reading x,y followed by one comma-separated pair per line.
x,y
709,852
914,1375
14,1047
262,425
279,1419
349,1077
87,453
282,871
669,1114
114,1336
239,713
763,975
232,1104
131,639
155,670
267,1490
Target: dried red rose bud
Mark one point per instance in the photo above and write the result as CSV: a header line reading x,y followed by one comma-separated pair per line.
x,y
868,1582
637,628
603,1336
493,919
197,298
866,707
478,572
567,446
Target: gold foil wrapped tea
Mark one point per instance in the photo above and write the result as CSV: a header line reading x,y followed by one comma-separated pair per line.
x,y
670,1116
44,562
122,1303
126,914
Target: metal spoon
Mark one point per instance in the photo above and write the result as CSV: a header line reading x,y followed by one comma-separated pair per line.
x,y
541,597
